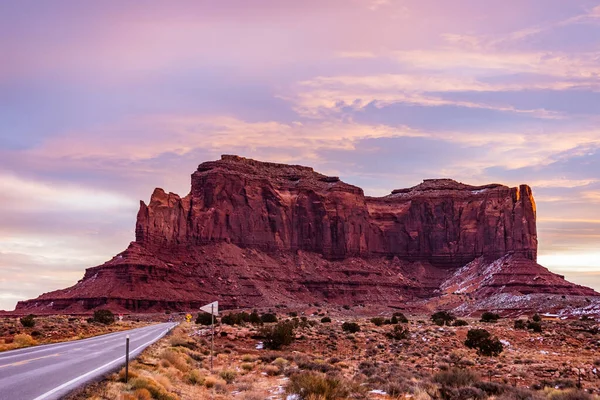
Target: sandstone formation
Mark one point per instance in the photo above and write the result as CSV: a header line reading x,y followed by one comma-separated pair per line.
x,y
253,233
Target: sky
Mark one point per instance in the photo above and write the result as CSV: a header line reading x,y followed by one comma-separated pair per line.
x,y
101,102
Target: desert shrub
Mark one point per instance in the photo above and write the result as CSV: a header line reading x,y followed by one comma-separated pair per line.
x,y
268,318
456,377
28,321
534,326
204,318
23,340
235,318
377,321
481,340
489,317
103,316
571,394
400,317
442,318
176,359
278,335
325,320
399,333
228,375
154,388
271,370
254,318
351,327
248,358
536,318
182,341
247,366
490,388
315,385
142,394
460,322
195,377
121,375
520,324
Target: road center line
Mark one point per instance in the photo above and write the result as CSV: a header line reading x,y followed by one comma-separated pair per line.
x,y
29,360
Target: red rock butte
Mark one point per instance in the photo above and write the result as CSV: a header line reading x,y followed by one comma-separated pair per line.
x,y
253,234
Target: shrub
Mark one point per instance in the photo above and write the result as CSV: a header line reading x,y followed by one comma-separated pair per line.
x,y
103,316
400,317
398,333
195,377
442,318
571,394
176,359
316,385
377,321
268,317
536,318
481,340
520,324
460,322
28,321
325,320
254,318
351,327
489,317
24,340
272,370
204,318
456,377
278,335
534,326
228,375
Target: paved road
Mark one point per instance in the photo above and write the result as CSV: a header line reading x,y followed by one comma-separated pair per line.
x,y
51,371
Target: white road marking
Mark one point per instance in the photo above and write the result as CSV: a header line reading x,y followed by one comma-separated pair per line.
x,y
72,381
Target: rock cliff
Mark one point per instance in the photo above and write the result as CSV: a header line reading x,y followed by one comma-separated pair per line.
x,y
253,233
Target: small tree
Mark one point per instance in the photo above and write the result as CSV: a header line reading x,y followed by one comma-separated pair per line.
x,y
399,333
483,341
377,321
268,317
325,320
489,317
520,324
28,321
276,336
254,318
442,318
103,316
204,318
534,326
351,327
400,317
536,318
460,322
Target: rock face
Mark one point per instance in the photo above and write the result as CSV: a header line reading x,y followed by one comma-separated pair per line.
x,y
252,233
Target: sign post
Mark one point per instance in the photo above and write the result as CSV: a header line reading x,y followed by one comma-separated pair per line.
x,y
212,309
127,359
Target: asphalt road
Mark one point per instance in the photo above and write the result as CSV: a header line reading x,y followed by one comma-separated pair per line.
x,y
51,371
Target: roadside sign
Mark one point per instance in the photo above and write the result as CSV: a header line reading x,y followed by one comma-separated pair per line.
x,y
211,308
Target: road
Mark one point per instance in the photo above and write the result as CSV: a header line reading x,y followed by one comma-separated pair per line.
x,y
51,371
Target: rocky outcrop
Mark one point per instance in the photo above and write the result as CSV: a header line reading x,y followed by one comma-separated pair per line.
x,y
252,233
277,207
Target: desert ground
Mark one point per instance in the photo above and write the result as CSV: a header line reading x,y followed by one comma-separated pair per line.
x,y
307,354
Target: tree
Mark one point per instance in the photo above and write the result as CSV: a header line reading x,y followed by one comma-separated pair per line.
x,y
399,333
351,327
536,318
28,321
276,336
489,317
520,324
377,321
103,316
204,318
268,317
483,341
325,320
442,318
400,317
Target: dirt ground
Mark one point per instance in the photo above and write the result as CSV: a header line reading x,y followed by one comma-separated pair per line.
x,y
326,362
